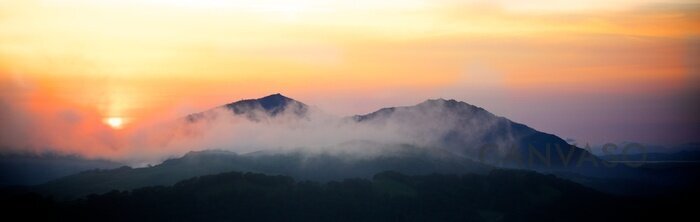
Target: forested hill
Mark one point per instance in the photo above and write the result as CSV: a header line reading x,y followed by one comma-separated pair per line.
x,y
502,195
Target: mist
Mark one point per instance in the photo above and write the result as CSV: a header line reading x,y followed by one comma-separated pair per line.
x,y
60,128
315,132
220,129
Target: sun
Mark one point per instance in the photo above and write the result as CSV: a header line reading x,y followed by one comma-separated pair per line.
x,y
114,122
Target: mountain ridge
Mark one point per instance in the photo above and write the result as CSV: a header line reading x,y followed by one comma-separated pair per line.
x,y
446,135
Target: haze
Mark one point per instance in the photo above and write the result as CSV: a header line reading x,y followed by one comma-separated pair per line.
x,y
87,76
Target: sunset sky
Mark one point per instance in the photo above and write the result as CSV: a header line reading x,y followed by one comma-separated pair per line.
x,y
595,71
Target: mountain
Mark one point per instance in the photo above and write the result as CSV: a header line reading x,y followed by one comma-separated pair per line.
x,y
273,104
33,169
471,131
257,109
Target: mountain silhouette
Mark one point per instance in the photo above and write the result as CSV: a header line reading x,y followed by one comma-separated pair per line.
x,y
256,109
272,105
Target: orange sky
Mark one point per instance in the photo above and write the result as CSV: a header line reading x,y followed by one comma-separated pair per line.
x,y
143,60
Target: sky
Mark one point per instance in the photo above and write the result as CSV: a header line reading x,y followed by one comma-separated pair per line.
x,y
81,73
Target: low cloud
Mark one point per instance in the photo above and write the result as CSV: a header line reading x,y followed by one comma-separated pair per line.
x,y
58,127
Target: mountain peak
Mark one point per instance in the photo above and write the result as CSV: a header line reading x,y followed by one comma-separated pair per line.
x,y
274,101
443,101
276,95
451,103
260,108
430,105
440,101
272,105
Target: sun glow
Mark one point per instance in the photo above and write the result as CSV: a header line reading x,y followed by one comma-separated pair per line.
x,y
115,122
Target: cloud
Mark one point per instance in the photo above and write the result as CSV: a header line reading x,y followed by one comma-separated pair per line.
x,y
429,125
220,129
42,123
